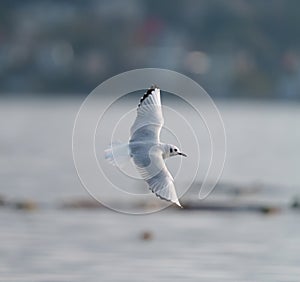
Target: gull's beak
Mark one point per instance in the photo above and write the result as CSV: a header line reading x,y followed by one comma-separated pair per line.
x,y
182,154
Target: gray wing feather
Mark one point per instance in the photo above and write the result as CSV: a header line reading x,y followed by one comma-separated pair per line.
x,y
153,170
149,120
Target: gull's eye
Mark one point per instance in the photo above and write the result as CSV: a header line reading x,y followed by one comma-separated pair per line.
x,y
175,150
171,150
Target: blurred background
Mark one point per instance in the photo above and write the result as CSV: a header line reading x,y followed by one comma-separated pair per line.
x,y
235,49
245,54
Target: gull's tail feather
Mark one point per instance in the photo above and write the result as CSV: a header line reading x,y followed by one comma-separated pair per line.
x,y
118,154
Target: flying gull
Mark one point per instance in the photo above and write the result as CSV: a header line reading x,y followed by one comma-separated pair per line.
x,y
145,148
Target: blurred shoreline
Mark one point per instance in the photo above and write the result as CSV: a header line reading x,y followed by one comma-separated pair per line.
x,y
250,49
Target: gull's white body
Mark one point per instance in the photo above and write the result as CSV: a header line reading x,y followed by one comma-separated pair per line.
x,y
145,148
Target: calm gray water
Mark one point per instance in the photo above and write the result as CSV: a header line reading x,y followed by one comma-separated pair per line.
x,y
51,244
186,246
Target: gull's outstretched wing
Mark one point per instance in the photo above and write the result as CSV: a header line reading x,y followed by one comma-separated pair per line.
x,y
153,170
149,120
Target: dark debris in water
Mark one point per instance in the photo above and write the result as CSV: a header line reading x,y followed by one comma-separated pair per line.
x,y
146,235
231,207
27,205
81,204
296,203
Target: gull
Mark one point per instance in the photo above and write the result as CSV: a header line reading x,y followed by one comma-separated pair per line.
x,y
146,150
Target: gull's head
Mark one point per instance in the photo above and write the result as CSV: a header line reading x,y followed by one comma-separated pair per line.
x,y
172,150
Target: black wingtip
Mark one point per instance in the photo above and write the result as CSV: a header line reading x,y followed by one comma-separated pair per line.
x,y
152,88
148,92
